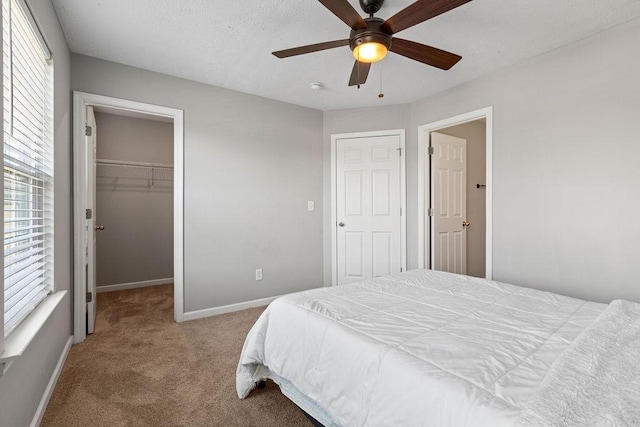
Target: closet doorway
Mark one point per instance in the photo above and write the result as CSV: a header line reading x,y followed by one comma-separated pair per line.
x,y
134,201
454,194
128,201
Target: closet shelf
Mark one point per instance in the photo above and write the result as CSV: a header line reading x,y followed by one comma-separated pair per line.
x,y
127,174
127,164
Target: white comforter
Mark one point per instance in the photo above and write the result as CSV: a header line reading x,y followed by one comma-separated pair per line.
x,y
420,348
596,382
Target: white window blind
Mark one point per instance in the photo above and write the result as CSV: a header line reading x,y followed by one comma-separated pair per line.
x,y
28,164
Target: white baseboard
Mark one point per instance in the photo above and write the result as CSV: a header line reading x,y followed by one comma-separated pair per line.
x,y
37,418
208,312
133,285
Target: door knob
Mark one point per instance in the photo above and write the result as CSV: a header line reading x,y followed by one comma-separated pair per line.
x,y
466,223
341,224
99,227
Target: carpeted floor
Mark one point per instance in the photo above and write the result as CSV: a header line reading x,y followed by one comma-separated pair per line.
x,y
140,368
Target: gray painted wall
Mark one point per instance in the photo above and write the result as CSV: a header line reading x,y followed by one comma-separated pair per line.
x,y
565,165
251,164
475,134
24,384
137,242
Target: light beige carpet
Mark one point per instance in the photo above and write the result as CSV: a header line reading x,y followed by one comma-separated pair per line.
x,y
140,368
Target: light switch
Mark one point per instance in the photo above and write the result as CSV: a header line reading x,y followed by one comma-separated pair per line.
x,y
311,206
259,274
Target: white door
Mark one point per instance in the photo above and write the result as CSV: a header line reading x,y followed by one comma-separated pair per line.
x,y
90,223
449,198
368,206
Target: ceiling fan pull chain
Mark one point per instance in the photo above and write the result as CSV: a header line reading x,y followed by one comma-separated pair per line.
x,y
358,69
381,95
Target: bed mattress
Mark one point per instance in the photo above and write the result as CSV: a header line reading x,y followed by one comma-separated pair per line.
x,y
419,348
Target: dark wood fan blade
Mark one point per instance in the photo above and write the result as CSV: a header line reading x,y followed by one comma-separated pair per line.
x,y
310,48
359,73
426,54
343,10
419,12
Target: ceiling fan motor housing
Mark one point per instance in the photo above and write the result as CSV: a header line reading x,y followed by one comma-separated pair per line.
x,y
374,32
371,6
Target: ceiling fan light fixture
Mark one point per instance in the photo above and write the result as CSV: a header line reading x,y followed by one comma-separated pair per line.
x,y
370,52
371,44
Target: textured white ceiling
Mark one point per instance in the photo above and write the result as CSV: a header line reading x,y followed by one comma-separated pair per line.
x,y
229,43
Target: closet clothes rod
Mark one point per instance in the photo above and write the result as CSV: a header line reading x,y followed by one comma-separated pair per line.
x,y
126,164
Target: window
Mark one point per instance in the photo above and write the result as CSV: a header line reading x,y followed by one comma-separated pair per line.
x,y
28,164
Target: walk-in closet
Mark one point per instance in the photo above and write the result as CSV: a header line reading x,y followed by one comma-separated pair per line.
x,y
134,200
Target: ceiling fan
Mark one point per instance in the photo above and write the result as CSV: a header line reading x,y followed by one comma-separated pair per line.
x,y
371,37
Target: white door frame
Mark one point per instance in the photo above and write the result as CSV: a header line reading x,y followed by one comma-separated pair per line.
x,y
334,205
80,101
423,134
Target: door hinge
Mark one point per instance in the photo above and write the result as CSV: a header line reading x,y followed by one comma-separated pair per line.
x,y
400,211
430,212
88,131
400,269
431,151
89,297
88,214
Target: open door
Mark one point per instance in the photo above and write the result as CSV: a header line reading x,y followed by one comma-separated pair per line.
x,y
476,127
84,226
90,222
449,203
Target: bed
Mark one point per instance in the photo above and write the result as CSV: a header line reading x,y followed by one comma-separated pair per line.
x,y
434,348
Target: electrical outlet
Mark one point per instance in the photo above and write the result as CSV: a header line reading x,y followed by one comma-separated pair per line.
x,y
259,274
311,206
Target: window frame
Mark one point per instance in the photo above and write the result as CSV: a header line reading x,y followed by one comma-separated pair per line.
x,y
23,332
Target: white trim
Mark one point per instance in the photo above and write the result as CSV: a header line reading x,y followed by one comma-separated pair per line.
x,y
403,195
19,339
80,101
42,407
424,130
134,285
208,312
